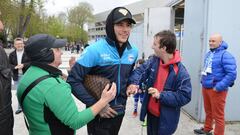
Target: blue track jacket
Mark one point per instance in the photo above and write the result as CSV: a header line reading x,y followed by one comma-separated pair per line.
x,y
102,58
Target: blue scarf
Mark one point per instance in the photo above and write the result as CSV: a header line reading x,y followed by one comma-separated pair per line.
x,y
208,64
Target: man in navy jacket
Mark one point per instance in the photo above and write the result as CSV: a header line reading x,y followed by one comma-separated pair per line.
x,y
168,85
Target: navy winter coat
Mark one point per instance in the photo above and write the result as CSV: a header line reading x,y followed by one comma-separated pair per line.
x,y
176,93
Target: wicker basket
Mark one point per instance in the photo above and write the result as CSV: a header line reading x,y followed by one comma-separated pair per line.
x,y
95,84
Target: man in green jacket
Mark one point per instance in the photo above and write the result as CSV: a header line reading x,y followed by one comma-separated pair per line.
x,y
49,106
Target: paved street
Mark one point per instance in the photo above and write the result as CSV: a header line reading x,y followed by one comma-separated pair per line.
x,y
130,126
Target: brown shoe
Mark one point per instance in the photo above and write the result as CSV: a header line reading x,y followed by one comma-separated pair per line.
x,y
135,114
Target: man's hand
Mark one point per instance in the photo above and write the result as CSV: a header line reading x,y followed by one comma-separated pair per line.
x,y
108,112
108,94
140,91
101,107
214,89
19,66
154,92
71,62
132,89
64,76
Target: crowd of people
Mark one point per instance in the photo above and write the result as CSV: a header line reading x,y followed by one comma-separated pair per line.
x,y
161,82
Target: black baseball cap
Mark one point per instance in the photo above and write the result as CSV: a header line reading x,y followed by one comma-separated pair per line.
x,y
120,14
38,47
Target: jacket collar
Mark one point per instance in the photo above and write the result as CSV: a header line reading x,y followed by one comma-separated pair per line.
x,y
113,44
50,69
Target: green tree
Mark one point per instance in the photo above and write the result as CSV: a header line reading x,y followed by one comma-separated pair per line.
x,y
72,32
8,17
17,15
77,17
36,25
26,10
27,17
63,18
81,14
55,26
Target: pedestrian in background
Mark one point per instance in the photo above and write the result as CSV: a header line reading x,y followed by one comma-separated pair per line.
x,y
140,92
219,73
18,62
78,47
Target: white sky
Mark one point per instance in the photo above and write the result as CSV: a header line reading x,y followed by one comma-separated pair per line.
x,y
56,6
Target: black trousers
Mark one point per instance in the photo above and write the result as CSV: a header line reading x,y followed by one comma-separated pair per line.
x,y
104,126
6,125
152,124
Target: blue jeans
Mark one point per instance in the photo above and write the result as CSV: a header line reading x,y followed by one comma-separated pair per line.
x,y
15,86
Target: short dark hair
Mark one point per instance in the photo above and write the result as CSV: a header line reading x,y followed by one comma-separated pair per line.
x,y
18,39
168,39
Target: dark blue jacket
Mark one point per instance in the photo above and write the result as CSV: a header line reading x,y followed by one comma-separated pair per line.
x,y
223,69
102,58
13,63
176,93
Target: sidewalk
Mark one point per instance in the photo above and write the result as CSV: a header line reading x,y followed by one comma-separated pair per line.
x,y
130,125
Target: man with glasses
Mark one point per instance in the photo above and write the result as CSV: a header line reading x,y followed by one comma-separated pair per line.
x,y
19,62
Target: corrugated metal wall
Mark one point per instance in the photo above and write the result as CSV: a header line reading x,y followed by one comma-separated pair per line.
x,y
136,38
203,18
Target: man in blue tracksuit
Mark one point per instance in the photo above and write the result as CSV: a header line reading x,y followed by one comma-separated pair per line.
x,y
112,58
